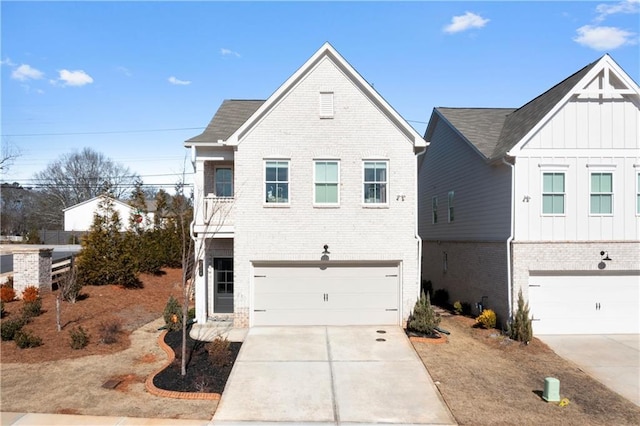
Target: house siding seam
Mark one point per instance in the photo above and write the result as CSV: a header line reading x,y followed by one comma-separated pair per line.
x,y
567,257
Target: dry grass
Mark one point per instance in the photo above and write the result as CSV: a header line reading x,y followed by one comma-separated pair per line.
x,y
487,379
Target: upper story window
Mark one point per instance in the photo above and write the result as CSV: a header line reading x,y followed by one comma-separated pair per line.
x,y
601,202
553,193
434,210
224,182
638,194
375,182
276,181
326,104
450,205
327,182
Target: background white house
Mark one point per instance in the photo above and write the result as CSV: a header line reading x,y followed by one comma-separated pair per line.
x,y
79,217
545,199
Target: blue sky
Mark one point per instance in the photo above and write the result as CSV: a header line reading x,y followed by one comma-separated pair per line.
x,y
133,80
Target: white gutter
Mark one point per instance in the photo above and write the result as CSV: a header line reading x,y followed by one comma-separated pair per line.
x,y
416,235
510,239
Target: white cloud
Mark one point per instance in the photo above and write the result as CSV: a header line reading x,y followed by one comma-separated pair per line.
x,y
74,78
604,38
177,82
8,62
624,6
25,72
229,52
124,70
465,22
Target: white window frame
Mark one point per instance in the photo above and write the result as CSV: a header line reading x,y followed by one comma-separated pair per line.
x,y
591,193
553,193
327,106
215,181
450,206
434,209
265,193
638,194
385,183
316,182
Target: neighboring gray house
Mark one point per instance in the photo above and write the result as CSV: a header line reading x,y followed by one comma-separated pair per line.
x,y
305,204
545,199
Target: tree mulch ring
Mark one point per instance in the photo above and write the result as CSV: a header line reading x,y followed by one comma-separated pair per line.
x,y
202,375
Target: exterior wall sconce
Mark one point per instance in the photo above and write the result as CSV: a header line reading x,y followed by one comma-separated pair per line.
x,y
605,256
325,253
200,267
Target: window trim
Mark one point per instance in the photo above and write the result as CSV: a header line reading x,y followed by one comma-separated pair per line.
x,y
215,181
591,193
637,193
385,182
264,182
434,209
450,206
316,182
326,111
563,193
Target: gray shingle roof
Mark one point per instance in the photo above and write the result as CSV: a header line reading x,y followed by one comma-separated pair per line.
x,y
230,116
494,131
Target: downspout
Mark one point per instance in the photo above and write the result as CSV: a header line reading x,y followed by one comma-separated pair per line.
x,y
416,234
510,239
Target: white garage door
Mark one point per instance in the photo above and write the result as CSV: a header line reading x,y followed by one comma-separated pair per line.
x,y
326,295
585,304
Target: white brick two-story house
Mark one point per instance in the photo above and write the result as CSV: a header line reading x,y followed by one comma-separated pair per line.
x,y
305,204
545,199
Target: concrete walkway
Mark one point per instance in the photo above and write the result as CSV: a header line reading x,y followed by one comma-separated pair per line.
x,y
330,375
41,419
611,359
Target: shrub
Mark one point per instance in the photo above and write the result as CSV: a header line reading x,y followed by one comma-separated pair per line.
x,y
191,314
520,328
79,338
219,353
441,297
466,308
487,319
7,293
32,309
10,327
25,339
1,309
110,331
457,307
30,294
173,314
423,319
70,286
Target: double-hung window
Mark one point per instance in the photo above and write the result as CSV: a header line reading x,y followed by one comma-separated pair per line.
x,y
224,182
553,193
434,210
327,182
601,194
450,205
276,181
375,182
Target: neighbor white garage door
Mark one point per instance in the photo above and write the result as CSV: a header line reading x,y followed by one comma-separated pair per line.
x,y
585,304
326,295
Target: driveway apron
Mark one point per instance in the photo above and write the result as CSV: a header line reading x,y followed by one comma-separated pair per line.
x,y
330,375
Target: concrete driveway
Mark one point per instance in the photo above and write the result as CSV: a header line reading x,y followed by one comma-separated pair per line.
x,y
330,375
613,359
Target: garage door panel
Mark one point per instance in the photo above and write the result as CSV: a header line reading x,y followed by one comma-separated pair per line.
x,y
324,317
585,304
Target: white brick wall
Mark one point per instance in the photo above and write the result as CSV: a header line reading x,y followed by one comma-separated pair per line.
x,y
32,267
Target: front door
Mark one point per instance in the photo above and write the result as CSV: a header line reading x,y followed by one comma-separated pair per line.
x,y
223,285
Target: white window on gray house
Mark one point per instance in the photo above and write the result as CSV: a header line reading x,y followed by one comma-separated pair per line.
x,y
450,205
326,104
601,194
434,210
276,181
375,182
327,182
224,182
638,194
553,193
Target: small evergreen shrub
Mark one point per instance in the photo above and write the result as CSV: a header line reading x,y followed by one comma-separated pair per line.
x,y
219,353
191,314
79,338
173,314
423,319
457,307
487,319
520,328
7,293
25,339
110,331
32,309
441,297
10,327
30,294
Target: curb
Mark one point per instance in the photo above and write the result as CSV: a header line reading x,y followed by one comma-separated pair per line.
x,y
152,389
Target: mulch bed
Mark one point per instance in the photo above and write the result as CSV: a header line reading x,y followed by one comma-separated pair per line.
x,y
202,375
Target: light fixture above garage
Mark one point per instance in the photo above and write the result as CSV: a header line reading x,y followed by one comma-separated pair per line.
x,y
325,253
605,256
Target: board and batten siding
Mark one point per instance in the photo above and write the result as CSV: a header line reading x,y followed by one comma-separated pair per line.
x,y
482,207
582,138
293,130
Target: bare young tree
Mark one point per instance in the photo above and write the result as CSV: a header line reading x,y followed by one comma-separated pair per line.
x,y
8,155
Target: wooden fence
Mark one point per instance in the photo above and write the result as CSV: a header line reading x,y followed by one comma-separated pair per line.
x,y
59,268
